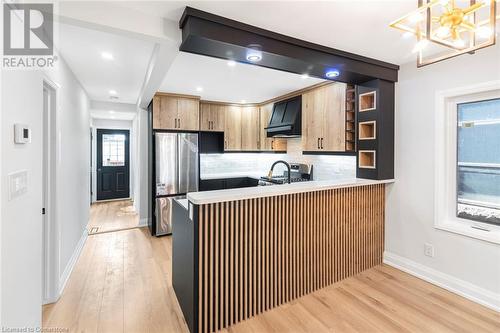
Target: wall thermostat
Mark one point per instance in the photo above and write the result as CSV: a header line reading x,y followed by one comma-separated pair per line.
x,y
22,133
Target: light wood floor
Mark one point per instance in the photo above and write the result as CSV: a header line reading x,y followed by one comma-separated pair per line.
x,y
111,216
122,283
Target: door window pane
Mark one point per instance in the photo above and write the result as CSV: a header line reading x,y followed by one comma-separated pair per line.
x,y
113,150
478,156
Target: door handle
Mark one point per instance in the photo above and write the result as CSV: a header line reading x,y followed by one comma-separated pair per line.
x,y
321,143
179,122
272,144
175,121
318,144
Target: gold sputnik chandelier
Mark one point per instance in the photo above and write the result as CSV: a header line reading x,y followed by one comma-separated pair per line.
x,y
448,28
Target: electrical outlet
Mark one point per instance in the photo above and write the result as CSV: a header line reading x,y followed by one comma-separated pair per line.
x,y
429,250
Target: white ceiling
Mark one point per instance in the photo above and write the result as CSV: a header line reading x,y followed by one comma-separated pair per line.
x,y
112,110
221,82
82,48
358,26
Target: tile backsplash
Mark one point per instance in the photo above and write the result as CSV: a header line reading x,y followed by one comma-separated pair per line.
x,y
325,166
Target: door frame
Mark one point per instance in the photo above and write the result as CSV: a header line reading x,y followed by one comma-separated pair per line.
x,y
50,226
128,159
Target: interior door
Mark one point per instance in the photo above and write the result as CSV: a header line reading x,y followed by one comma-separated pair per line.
x,y
113,164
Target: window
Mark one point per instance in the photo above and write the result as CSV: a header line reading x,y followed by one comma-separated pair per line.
x,y
478,161
113,150
467,161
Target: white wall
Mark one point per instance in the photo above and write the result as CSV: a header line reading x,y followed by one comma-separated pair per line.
x,y
466,265
142,204
21,220
73,167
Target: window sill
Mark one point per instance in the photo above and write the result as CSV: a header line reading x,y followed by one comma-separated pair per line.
x,y
466,229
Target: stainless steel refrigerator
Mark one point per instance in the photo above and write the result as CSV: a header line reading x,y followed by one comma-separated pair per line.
x,y
176,172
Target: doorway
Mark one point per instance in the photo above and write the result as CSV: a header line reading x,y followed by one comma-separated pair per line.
x,y
113,164
50,290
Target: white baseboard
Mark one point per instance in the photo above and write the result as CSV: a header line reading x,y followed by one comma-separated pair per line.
x,y
143,222
72,261
448,282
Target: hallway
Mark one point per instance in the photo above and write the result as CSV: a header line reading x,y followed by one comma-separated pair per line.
x,y
111,216
122,283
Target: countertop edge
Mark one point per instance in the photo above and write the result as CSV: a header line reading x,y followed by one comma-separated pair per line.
x,y
208,197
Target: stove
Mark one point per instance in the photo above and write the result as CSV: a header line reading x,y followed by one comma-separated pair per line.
x,y
299,172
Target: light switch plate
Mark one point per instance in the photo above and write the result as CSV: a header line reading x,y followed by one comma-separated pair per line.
x,y
18,184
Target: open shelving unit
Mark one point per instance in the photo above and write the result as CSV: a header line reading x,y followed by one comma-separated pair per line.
x,y
368,101
367,130
367,159
375,130
350,118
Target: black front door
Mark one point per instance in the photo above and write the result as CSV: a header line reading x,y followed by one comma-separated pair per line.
x,y
113,171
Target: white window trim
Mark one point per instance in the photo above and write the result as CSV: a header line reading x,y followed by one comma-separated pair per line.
x,y
445,157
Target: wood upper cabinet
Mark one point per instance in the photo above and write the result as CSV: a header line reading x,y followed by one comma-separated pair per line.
x,y
175,113
312,119
232,128
334,131
250,124
268,144
212,117
323,118
188,113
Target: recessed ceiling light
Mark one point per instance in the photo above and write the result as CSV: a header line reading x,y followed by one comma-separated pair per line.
x,y
254,57
231,63
243,101
107,56
304,76
112,92
199,88
332,73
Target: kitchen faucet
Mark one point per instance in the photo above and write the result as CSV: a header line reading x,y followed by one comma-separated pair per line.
x,y
270,174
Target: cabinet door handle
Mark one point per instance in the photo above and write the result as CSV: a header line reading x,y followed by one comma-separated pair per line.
x,y
318,144
272,144
179,122
175,121
321,143
209,125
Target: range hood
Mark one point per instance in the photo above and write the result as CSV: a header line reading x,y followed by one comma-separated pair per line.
x,y
286,119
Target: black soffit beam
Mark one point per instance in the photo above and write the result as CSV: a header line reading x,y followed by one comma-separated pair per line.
x,y
216,36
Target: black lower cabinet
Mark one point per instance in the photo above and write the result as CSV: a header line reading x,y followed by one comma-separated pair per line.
x,y
183,262
227,183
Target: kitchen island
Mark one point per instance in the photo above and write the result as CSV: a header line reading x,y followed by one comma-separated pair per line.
x,y
253,249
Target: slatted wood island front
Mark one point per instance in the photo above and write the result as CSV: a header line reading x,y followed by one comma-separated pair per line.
x,y
235,257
